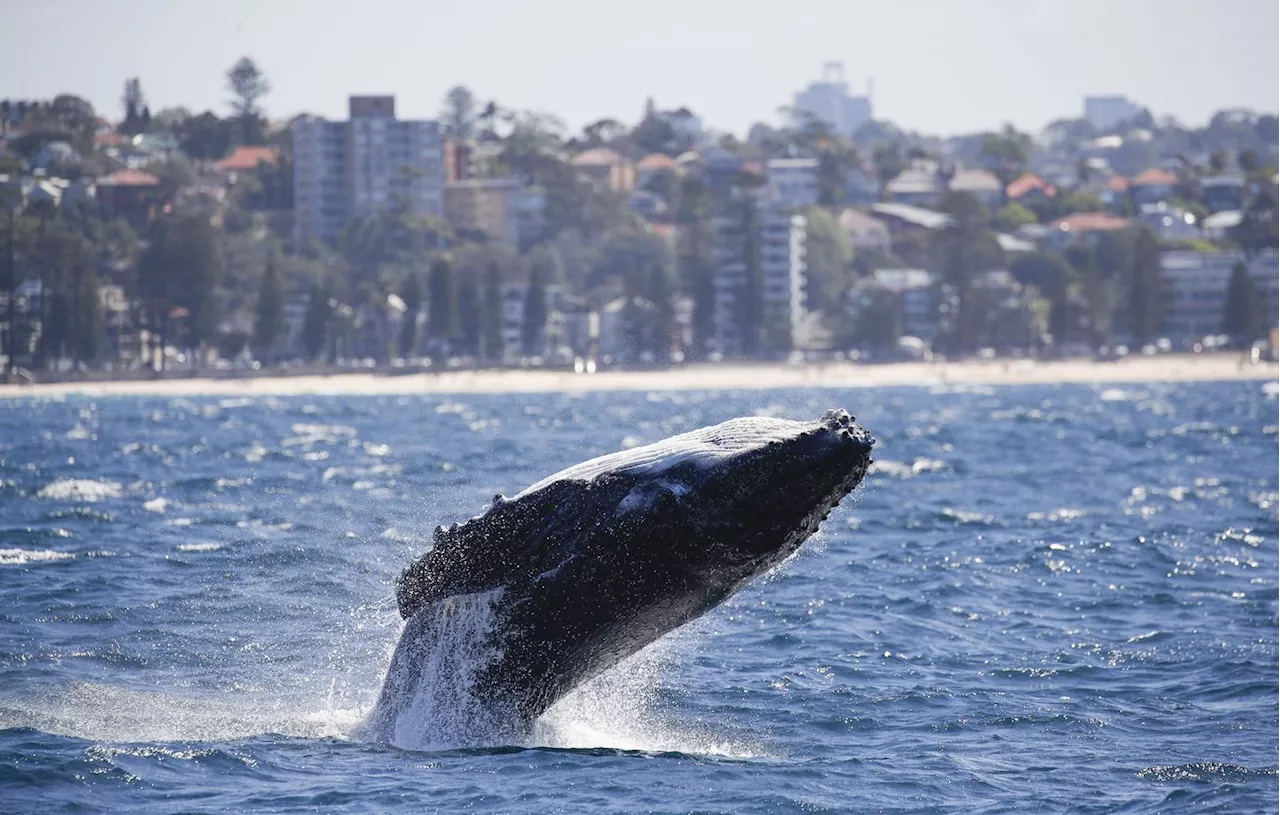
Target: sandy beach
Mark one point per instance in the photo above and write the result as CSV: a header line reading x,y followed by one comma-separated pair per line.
x,y
1168,368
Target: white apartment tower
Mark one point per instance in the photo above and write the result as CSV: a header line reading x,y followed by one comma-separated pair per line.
x,y
371,163
829,101
1105,112
777,239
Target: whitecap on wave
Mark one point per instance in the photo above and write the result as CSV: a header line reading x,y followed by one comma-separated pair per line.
x,y
80,489
21,557
901,469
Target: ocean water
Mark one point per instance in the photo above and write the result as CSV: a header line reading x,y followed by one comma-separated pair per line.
x,y
1041,599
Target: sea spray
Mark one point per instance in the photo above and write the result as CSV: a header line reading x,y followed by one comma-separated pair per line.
x,y
427,700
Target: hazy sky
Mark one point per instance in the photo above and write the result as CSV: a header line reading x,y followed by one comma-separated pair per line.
x,y
940,66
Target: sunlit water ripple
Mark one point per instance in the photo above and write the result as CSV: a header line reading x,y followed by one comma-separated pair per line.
x,y
1042,599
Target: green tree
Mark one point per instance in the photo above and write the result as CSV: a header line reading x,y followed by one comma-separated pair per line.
x,y
1242,315
1011,216
1145,295
661,292
965,249
694,266
828,258
411,294
751,318
492,317
1258,228
270,313
205,136
248,85
459,113
315,323
875,322
1053,276
134,105
182,268
469,315
888,161
442,310
535,309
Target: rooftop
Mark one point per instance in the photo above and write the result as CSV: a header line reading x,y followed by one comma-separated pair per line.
x,y
129,178
248,158
899,280
853,220
975,180
655,162
1090,222
1154,177
1026,183
917,216
598,157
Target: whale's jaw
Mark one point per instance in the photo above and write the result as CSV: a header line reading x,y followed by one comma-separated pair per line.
x,y
597,561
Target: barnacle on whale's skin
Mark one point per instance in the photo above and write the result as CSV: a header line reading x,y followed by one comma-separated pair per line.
x,y
600,559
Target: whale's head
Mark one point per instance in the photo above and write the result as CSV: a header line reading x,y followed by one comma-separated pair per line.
x,y
750,489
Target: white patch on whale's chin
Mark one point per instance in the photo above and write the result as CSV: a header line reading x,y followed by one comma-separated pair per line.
x,y
705,447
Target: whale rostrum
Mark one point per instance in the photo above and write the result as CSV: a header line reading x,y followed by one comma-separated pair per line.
x,y
589,565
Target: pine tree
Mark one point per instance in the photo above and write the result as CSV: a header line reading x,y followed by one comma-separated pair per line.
x,y
412,296
443,308
1145,306
469,315
270,315
535,310
315,325
1242,315
492,318
664,322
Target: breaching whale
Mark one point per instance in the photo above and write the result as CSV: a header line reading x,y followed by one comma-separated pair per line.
x,y
589,565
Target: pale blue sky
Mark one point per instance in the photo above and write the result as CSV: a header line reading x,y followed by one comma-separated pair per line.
x,y
940,66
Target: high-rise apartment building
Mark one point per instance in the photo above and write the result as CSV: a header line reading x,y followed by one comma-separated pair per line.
x,y
828,100
765,240
373,162
1105,112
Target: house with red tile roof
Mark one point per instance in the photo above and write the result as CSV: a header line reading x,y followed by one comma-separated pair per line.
x,y
128,194
1086,226
1029,187
981,184
245,158
606,167
1152,186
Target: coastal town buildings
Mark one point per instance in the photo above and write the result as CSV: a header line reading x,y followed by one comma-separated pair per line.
x,y
1195,290
759,258
373,162
1105,112
828,100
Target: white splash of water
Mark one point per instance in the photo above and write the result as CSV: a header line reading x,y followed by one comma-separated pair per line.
x,y
98,712
427,701
21,557
80,489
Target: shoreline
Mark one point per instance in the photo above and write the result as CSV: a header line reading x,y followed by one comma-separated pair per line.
x,y
1136,370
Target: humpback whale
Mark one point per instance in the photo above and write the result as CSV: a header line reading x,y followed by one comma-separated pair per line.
x,y
586,567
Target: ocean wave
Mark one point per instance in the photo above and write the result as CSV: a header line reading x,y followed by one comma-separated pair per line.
x,y
901,469
21,557
80,489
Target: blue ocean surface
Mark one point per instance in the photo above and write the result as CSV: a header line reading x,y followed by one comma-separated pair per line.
x,y
1041,599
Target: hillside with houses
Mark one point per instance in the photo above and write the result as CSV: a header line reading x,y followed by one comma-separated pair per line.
x,y
139,241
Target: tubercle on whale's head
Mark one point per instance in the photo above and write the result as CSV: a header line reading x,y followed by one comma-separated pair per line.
x,y
761,503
